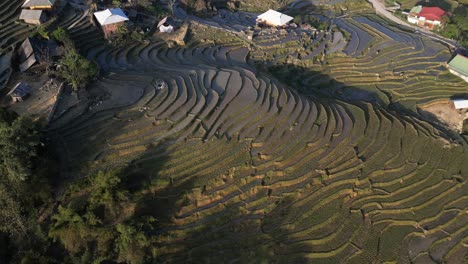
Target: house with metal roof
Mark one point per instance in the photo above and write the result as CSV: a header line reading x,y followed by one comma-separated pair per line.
x,y
166,25
428,17
459,66
34,51
20,92
40,4
274,18
110,20
34,17
460,103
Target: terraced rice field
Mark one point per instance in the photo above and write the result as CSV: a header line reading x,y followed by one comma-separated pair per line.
x,y
379,62
243,168
12,31
246,169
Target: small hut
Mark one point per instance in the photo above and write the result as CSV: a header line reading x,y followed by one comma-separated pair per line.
x,y
20,92
460,103
34,50
274,18
40,4
34,17
166,25
459,66
110,20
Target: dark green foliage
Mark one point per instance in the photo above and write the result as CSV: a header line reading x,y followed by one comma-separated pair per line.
x,y
19,142
62,36
457,25
94,225
24,189
19,148
76,69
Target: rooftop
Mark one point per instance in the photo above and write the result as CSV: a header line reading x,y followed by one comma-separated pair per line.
x,y
20,90
27,14
275,17
31,3
432,13
110,16
460,64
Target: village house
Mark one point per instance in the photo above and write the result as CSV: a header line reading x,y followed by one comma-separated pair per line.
x,y
166,25
459,103
34,51
273,18
20,92
40,4
34,17
110,20
428,17
459,66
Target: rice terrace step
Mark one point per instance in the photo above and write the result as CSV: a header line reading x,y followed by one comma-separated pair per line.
x,y
278,131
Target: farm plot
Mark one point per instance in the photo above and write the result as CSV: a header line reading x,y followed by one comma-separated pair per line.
x,y
252,170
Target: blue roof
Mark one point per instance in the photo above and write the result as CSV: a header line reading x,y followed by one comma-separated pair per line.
x,y
20,90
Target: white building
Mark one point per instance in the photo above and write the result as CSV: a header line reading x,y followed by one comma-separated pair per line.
x,y
166,25
460,103
274,18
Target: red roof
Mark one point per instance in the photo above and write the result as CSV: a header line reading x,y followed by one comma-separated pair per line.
x,y
432,13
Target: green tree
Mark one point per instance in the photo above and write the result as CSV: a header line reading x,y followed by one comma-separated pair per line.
x,y
76,69
131,243
19,143
61,35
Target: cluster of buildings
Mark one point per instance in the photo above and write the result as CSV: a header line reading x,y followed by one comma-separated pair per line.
x,y
427,17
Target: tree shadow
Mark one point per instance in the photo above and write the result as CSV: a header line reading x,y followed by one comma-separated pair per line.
x,y
444,4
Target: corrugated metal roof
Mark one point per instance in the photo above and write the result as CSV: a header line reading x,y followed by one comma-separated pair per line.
x,y
25,65
27,14
460,103
416,9
432,13
20,90
275,18
31,3
110,16
33,50
460,64
25,50
165,20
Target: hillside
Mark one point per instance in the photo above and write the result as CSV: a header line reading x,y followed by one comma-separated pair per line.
x,y
295,146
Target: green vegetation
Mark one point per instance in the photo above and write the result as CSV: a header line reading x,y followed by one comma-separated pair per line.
x,y
457,25
222,162
24,185
62,36
73,67
76,69
97,214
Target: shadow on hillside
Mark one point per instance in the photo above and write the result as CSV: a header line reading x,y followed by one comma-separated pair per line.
x,y
230,235
317,85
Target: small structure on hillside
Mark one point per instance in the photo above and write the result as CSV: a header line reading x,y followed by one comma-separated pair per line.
x,y
40,4
110,20
459,66
428,17
34,17
274,18
34,50
460,103
166,25
20,92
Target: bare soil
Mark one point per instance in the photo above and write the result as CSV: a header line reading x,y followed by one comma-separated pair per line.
x,y
446,114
